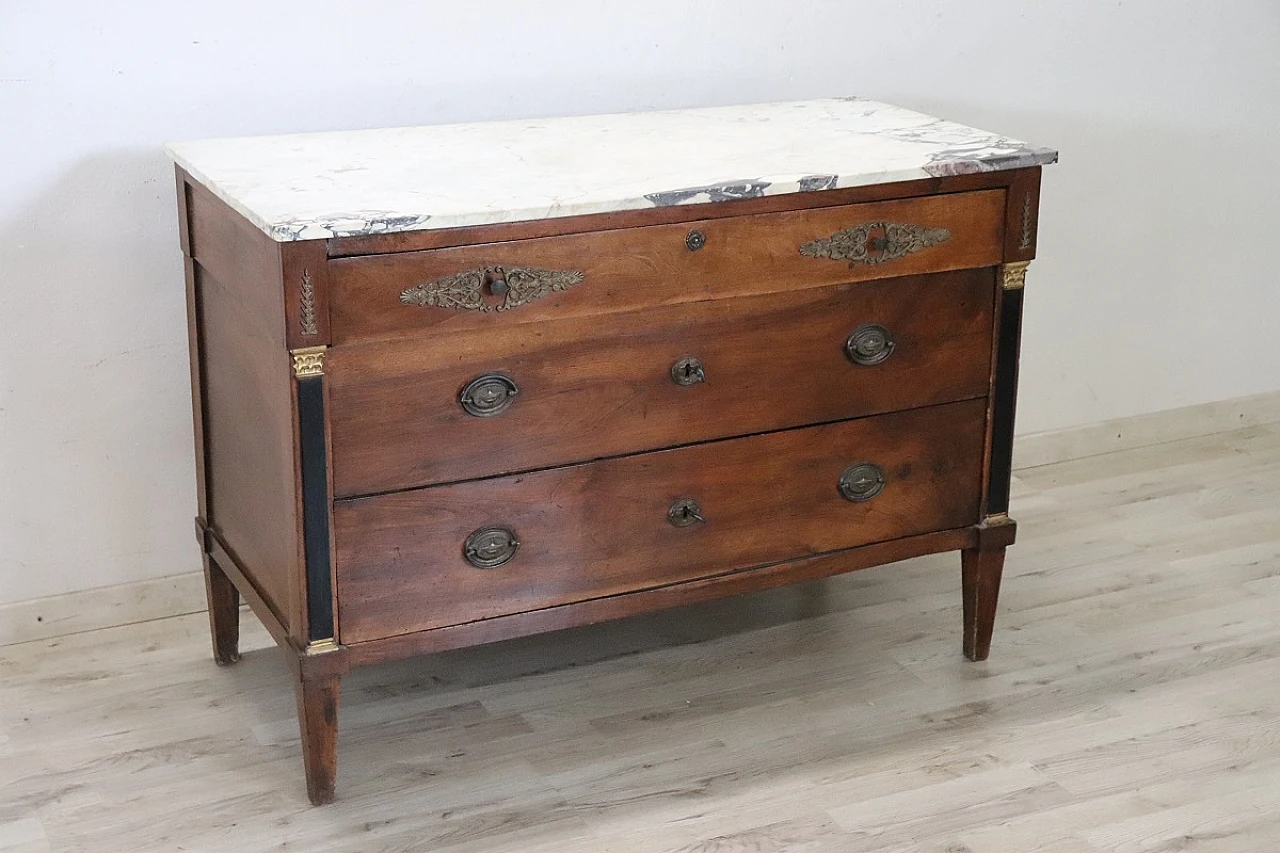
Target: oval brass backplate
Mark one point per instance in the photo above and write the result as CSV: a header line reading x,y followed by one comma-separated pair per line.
x,y
488,395
861,481
869,344
490,547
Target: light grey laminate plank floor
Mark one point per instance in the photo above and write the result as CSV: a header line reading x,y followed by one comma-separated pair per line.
x,y
1131,703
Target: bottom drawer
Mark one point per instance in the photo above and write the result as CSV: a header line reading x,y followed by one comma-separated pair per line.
x,y
433,557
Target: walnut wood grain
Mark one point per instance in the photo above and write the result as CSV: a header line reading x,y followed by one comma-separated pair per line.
x,y
600,529
193,346
245,399
651,266
602,387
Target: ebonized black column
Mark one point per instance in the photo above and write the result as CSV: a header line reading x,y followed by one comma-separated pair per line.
x,y
315,507
1005,394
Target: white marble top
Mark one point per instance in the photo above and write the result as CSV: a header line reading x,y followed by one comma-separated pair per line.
x,y
316,185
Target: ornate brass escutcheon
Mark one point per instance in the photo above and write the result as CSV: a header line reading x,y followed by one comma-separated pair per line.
x,y
869,344
861,481
875,242
490,547
488,395
684,513
480,289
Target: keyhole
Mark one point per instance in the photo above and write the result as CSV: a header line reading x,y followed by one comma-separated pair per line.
x,y
684,513
688,371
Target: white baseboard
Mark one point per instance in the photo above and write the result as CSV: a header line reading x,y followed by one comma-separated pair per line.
x,y
1061,445
107,607
103,607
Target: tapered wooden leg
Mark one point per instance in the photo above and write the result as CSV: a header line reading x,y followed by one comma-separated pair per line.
x,y
318,722
981,569
224,613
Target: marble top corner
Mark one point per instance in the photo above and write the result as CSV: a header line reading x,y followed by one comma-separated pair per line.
x,y
318,185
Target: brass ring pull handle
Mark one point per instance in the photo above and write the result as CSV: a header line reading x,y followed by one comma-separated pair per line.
x,y
869,344
862,481
488,395
685,513
688,371
490,547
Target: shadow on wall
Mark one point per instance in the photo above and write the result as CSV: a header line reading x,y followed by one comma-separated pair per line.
x,y
96,456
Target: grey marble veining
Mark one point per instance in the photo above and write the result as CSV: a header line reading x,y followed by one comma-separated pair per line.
x,y
320,185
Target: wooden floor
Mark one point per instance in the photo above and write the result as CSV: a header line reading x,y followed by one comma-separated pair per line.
x,y
1131,703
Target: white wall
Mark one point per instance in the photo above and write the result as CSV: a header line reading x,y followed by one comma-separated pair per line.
x,y
1156,287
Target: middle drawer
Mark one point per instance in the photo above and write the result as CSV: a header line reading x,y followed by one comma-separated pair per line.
x,y
444,408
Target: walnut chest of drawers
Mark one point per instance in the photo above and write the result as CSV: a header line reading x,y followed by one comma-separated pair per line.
x,y
464,383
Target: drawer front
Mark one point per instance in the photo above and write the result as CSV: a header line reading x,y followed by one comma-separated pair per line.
x,y
659,378
608,271
606,528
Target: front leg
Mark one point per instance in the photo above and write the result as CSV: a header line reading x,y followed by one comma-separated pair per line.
x,y
981,569
318,721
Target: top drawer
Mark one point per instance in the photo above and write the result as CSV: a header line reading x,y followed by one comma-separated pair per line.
x,y
495,284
